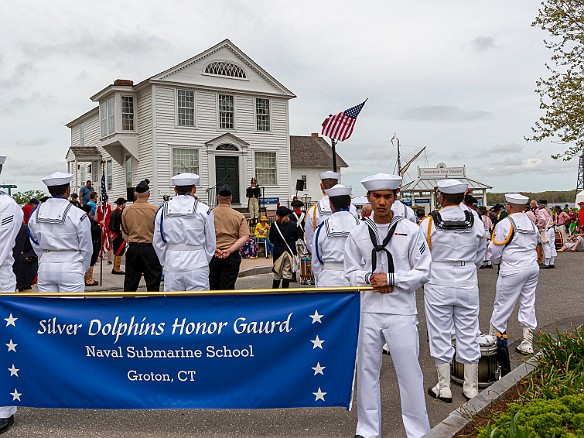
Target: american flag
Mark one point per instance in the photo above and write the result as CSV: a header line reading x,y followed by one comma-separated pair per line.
x,y
340,126
105,241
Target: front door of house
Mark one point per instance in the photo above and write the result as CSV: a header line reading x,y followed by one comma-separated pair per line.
x,y
227,172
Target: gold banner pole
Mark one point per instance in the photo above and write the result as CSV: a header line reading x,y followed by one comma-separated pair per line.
x,y
188,293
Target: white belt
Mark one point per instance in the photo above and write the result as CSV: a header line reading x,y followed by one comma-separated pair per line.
x,y
333,266
60,250
183,247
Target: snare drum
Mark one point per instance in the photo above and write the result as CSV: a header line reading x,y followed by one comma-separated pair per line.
x,y
489,369
306,275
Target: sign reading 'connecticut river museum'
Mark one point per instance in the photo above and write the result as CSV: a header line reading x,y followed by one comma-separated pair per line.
x,y
208,352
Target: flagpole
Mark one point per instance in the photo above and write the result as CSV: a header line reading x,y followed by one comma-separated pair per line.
x,y
101,240
333,144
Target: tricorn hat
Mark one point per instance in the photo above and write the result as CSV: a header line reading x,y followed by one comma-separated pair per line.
x,y
143,186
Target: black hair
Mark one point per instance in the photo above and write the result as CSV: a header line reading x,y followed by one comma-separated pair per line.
x,y
58,190
339,202
453,198
184,190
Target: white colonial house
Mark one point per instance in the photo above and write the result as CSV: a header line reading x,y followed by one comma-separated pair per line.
x,y
218,114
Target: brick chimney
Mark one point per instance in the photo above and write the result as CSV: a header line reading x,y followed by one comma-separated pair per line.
x,y
123,83
315,135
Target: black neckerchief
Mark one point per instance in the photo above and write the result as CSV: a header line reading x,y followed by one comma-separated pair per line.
x,y
381,248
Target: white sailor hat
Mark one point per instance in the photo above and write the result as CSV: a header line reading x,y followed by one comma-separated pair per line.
x,y
381,181
329,175
57,179
339,190
2,159
516,198
452,186
185,179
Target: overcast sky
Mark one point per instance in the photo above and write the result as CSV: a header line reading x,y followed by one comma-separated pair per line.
x,y
454,76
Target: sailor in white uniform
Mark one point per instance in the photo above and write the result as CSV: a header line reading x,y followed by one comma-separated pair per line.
x,y
60,234
513,245
10,222
390,254
184,237
401,209
322,209
457,243
330,237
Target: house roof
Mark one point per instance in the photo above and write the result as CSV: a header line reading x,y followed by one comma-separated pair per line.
x,y
82,153
244,58
309,151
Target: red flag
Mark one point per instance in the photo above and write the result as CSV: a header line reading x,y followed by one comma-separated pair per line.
x,y
340,126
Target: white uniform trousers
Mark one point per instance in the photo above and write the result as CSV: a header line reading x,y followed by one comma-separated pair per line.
x,y
7,284
401,334
549,248
196,279
61,277
454,310
512,287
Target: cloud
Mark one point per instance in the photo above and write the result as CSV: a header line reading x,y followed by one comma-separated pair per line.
x,y
483,44
20,103
507,148
528,166
18,76
443,113
32,142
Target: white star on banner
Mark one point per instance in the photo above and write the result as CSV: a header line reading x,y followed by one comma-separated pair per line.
x,y
10,320
13,370
316,317
12,346
317,343
319,395
318,369
16,395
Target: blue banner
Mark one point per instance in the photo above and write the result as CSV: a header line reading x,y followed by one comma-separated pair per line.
x,y
207,352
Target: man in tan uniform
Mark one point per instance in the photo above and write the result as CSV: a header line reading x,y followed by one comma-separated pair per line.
x,y
138,225
232,232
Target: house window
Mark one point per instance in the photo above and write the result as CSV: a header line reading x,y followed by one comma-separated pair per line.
x,y
128,166
107,117
186,107
262,114
265,168
185,160
127,113
226,111
82,135
225,68
108,174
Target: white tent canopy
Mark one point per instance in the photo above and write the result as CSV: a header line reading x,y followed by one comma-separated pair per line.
x,y
580,197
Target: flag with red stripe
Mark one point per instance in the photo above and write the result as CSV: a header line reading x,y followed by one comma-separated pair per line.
x,y
340,126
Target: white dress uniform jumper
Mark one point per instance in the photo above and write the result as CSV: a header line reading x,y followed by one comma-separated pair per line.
x,y
316,215
60,234
329,249
390,318
184,240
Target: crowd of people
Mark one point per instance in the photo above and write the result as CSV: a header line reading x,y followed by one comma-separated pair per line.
x,y
388,247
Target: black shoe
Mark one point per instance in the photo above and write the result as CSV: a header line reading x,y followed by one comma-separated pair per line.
x,y
552,266
437,397
118,272
95,283
5,423
359,436
483,267
546,267
489,267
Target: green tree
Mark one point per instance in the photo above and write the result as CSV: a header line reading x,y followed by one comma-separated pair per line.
x,y
23,197
561,95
